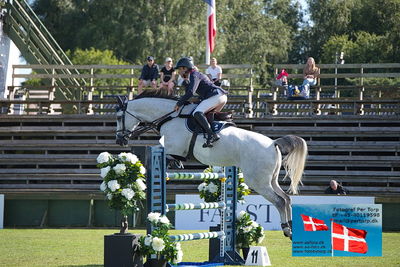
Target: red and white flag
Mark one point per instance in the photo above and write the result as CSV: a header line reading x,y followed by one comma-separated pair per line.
x,y
313,224
211,27
348,239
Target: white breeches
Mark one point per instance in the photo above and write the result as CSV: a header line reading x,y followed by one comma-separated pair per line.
x,y
215,103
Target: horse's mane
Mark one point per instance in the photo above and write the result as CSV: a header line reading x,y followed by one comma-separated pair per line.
x,y
156,93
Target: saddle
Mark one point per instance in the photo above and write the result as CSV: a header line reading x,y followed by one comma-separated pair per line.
x,y
217,121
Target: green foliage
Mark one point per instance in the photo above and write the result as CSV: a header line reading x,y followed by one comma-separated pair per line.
x,y
260,33
94,56
248,232
371,24
364,47
210,189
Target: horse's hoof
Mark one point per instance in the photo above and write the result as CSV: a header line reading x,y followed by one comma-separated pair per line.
x,y
287,232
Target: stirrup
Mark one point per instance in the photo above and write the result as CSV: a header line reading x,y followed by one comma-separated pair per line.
x,y
210,140
174,164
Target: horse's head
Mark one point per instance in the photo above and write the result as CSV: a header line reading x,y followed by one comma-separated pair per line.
x,y
126,122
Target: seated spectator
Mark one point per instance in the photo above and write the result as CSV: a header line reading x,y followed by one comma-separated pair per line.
x,y
336,189
282,78
149,75
167,76
214,72
310,74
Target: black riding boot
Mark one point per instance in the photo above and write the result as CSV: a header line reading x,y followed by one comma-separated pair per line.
x,y
202,120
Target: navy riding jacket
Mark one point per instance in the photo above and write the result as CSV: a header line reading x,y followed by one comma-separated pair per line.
x,y
201,85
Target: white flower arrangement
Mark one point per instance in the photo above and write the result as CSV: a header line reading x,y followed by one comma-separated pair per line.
x,y
158,243
113,185
128,157
104,171
104,157
248,232
123,180
128,193
210,189
119,168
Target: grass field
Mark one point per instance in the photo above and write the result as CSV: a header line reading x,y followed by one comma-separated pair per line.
x,y
84,248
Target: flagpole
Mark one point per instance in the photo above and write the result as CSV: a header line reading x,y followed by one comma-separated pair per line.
x,y
208,54
332,237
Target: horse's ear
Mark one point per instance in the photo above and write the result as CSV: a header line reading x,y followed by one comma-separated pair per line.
x,y
120,101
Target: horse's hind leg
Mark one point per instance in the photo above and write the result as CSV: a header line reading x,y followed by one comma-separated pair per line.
x,y
286,224
265,188
280,192
280,203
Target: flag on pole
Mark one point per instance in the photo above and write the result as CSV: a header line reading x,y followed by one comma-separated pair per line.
x,y
348,239
313,224
211,29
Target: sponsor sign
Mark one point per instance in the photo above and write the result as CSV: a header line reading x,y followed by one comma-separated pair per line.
x,y
337,230
259,209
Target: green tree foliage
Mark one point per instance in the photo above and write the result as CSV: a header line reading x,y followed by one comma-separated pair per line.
x,y
372,25
249,31
97,57
329,17
260,39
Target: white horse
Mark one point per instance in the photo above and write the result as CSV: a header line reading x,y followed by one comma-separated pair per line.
x,y
258,156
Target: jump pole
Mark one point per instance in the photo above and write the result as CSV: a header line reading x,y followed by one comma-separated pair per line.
x,y
156,202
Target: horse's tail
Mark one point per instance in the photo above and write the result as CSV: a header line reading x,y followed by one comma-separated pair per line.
x,y
295,150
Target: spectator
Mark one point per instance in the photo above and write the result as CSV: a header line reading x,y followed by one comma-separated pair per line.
x,y
214,72
212,97
282,78
310,74
167,76
149,75
335,188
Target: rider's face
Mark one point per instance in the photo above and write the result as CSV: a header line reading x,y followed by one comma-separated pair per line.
x,y
182,70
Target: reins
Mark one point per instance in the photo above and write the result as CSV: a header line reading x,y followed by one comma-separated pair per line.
x,y
146,126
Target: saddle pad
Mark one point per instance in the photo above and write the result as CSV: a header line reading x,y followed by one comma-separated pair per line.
x,y
216,126
188,109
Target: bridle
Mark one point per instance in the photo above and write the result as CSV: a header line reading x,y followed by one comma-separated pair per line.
x,y
143,125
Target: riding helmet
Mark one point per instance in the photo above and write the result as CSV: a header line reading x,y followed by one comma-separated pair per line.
x,y
185,62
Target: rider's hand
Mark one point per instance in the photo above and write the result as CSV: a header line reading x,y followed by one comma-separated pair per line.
x,y
176,108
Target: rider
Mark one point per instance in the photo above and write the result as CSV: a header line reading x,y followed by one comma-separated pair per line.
x,y
212,97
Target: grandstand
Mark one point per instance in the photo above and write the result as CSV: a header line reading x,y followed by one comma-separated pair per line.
x,y
50,135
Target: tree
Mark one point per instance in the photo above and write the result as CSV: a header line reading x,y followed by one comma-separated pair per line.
x,y
97,57
329,17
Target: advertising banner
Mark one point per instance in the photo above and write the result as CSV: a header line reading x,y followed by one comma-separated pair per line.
x,y
337,230
260,210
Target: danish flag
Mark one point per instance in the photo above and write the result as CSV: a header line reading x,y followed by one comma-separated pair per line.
x,y
211,25
349,239
313,224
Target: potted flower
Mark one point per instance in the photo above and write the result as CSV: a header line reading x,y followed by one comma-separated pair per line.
x,y
123,183
248,232
159,244
210,189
